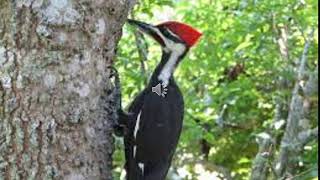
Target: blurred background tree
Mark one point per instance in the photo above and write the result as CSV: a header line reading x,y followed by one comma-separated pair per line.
x,y
250,87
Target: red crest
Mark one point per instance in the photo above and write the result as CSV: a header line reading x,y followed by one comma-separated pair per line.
x,y
187,33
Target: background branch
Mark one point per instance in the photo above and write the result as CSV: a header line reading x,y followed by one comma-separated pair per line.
x,y
143,51
287,148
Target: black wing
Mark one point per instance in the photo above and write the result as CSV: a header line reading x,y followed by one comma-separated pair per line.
x,y
150,148
159,132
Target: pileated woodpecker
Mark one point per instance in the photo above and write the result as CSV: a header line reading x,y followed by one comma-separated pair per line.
x,y
153,123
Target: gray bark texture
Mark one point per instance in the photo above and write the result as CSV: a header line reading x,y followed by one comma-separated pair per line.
x,y
56,99
298,130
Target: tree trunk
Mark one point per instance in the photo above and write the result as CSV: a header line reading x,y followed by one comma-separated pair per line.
x,y
55,101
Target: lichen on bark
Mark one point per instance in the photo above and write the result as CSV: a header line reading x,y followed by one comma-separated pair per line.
x,y
56,99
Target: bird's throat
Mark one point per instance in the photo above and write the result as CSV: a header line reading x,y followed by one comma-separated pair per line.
x,y
168,64
167,71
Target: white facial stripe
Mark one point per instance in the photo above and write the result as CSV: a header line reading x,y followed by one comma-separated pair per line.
x,y
173,34
164,39
176,49
136,128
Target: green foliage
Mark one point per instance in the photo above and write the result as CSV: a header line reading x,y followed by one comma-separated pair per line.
x,y
236,34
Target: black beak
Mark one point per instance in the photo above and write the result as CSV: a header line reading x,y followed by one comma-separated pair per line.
x,y
144,27
148,29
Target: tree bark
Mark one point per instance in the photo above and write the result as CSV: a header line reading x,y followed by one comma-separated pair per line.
x,y
298,131
260,166
56,98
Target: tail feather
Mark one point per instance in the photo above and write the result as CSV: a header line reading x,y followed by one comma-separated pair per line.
x,y
149,172
134,172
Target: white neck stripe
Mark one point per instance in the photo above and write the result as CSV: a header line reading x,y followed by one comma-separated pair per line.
x,y
167,71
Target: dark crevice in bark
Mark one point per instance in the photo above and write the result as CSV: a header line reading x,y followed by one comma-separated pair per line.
x,y
3,95
40,169
6,56
50,109
15,98
23,172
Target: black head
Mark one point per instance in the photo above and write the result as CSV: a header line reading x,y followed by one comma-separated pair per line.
x,y
169,34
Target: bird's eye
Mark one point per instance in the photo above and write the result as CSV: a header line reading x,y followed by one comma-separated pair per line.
x,y
165,32
168,33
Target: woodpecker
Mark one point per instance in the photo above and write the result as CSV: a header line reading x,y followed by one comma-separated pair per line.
x,y
153,123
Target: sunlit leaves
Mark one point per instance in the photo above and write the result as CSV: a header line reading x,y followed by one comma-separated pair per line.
x,y
235,32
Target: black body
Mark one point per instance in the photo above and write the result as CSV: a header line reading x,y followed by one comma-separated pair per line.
x,y
150,152
160,127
